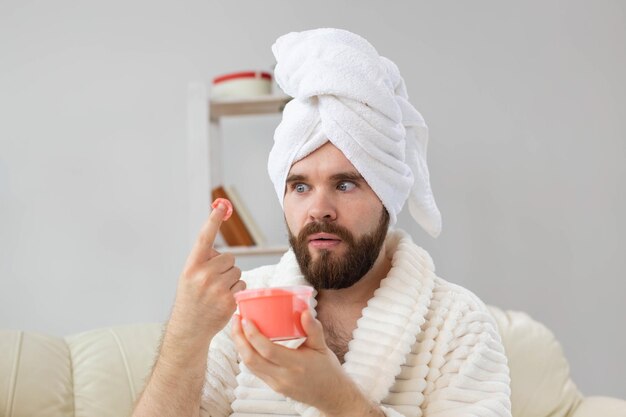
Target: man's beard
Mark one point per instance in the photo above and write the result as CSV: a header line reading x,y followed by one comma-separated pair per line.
x,y
329,271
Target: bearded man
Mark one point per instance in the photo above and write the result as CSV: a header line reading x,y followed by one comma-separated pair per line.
x,y
385,336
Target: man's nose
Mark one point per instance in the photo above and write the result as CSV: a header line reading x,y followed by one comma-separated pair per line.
x,y
322,208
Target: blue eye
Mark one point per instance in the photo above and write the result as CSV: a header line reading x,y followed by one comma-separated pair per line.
x,y
346,186
300,188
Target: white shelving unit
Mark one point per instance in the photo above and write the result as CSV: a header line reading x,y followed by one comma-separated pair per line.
x,y
254,250
205,152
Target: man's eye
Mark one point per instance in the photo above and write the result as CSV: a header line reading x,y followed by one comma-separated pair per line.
x,y
300,188
346,186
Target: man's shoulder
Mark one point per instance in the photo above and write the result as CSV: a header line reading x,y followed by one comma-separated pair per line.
x,y
446,295
459,305
459,295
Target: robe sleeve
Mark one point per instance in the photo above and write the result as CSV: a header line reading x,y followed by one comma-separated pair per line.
x,y
474,381
220,382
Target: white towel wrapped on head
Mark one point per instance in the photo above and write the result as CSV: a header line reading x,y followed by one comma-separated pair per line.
x,y
345,93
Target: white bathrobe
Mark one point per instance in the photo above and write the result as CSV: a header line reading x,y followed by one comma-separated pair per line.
x,y
423,347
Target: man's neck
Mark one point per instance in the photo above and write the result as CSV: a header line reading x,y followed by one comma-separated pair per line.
x,y
358,294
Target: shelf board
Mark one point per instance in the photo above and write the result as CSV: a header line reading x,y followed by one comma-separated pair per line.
x,y
253,250
267,104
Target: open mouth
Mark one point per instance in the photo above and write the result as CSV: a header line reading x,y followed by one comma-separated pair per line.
x,y
323,240
323,236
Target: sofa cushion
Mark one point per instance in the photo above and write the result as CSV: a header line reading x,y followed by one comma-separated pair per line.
x,y
540,378
110,367
36,376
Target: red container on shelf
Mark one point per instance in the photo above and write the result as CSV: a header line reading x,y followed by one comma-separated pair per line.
x,y
242,84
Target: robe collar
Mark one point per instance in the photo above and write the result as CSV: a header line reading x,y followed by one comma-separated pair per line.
x,y
389,324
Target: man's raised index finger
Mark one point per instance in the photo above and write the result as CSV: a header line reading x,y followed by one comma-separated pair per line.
x,y
212,225
222,209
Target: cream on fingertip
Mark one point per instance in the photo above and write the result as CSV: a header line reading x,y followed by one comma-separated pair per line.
x,y
226,205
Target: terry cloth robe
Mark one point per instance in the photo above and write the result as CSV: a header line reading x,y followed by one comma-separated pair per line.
x,y
422,347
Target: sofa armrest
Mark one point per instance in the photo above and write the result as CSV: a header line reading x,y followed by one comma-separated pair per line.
x,y
600,406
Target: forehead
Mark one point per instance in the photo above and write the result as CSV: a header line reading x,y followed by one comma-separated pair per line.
x,y
325,160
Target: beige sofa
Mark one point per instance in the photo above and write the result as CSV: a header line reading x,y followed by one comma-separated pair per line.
x,y
100,373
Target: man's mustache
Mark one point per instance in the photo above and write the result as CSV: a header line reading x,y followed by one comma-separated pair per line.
x,y
325,227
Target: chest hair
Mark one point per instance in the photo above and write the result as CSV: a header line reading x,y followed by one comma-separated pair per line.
x,y
337,339
339,324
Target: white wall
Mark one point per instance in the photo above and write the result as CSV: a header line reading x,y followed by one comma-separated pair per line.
x,y
526,104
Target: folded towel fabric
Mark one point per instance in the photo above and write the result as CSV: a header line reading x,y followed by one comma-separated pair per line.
x,y
346,93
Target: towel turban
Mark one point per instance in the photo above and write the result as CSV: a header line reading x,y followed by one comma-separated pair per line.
x,y
346,93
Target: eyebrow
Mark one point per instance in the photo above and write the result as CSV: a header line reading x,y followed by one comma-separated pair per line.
x,y
347,176
341,176
295,178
